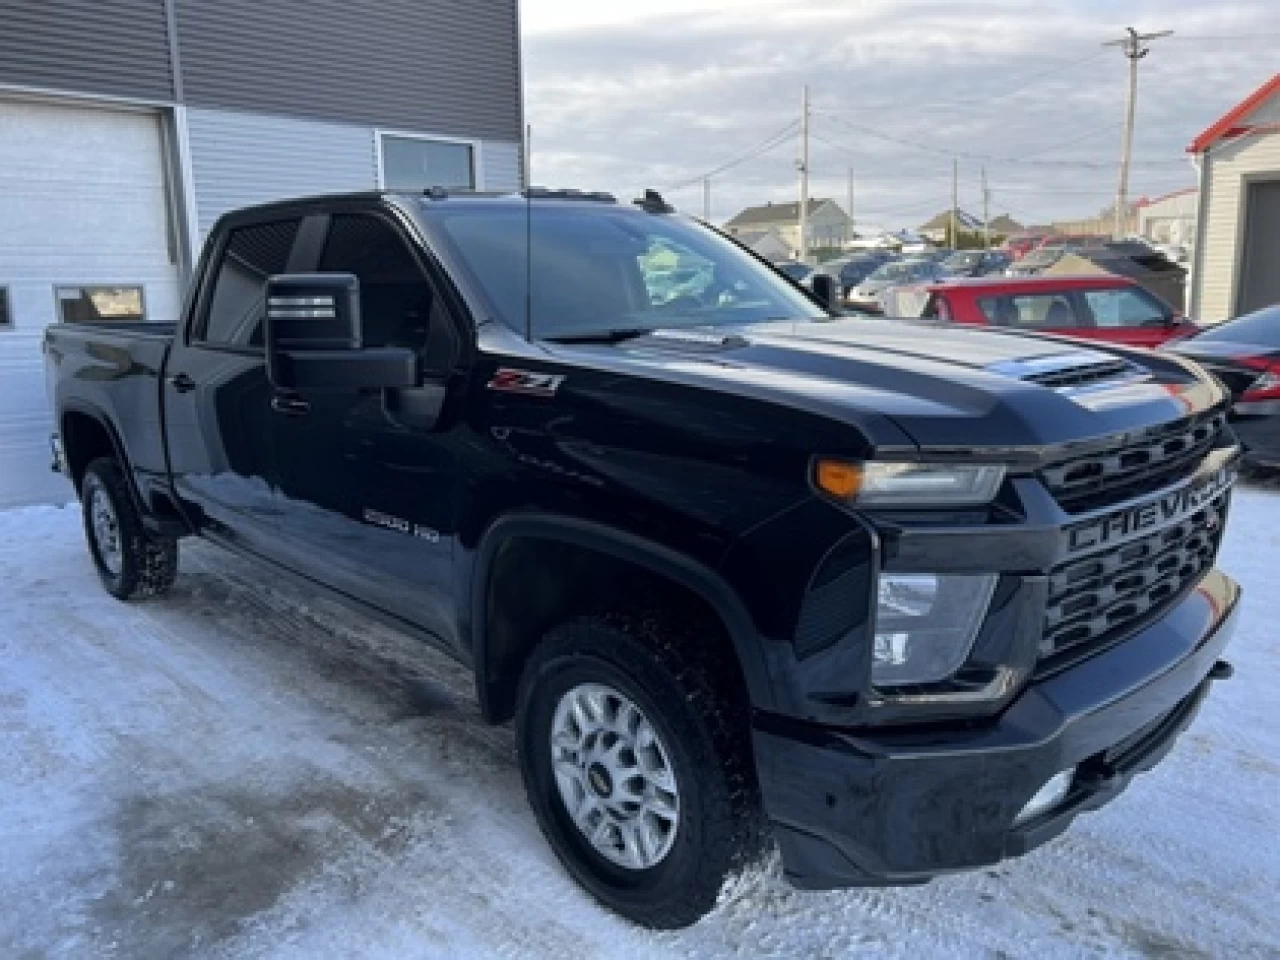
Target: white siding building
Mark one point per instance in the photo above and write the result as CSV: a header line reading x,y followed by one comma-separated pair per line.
x,y
1238,226
127,127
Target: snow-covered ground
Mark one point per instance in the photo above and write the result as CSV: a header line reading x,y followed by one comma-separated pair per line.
x,y
242,770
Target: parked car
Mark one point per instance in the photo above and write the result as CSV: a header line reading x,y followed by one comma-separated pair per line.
x,y
975,263
1173,252
1019,246
794,269
1040,259
848,272
1102,307
1245,355
867,294
718,556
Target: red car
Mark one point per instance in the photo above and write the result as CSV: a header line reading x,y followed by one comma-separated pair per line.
x,y
1110,308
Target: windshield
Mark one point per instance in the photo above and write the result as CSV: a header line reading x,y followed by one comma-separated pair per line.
x,y
892,272
960,260
591,270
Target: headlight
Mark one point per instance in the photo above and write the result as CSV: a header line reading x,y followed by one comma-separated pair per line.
x,y
877,484
925,625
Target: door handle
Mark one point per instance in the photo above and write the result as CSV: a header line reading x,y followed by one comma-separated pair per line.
x,y
290,406
182,383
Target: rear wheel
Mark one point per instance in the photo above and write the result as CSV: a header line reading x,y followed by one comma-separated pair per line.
x,y
636,758
130,562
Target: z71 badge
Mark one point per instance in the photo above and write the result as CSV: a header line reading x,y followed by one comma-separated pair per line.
x,y
511,380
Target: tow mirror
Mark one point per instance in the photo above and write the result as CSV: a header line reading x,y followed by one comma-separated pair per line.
x,y
826,290
315,341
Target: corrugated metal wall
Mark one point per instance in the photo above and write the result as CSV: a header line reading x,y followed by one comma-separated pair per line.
x,y
447,66
245,158
501,165
114,47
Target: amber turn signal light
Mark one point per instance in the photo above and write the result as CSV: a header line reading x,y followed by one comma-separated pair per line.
x,y
839,479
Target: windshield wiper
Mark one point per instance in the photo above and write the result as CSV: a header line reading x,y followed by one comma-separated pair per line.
x,y
617,335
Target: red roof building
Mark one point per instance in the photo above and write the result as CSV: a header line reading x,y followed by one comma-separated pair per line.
x,y
1238,222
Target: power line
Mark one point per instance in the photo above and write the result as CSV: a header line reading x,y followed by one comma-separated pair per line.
x,y
769,143
969,155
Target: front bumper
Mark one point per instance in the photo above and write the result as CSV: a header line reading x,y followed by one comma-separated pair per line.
x,y
883,807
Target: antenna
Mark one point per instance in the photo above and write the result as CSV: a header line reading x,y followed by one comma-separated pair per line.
x,y
528,264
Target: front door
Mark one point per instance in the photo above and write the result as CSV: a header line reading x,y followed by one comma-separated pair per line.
x,y
367,478
216,394
1125,315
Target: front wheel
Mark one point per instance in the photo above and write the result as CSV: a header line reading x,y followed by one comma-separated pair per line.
x,y
130,562
636,760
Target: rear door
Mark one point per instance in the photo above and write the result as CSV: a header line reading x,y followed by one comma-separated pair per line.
x,y
216,394
367,478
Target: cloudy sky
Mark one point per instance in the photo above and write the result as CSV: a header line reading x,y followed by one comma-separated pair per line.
x,y
623,94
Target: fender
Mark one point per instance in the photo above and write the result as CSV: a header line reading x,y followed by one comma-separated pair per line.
x,y
629,547
104,420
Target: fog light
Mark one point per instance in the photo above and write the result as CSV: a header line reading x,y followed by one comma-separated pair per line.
x,y
1047,797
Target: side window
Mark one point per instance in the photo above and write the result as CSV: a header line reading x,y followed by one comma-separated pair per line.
x,y
399,306
1031,312
1124,307
251,255
6,321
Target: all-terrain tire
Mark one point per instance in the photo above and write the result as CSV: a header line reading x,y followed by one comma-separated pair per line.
x,y
131,563
677,678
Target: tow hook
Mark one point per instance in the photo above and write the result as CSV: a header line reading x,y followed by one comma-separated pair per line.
x,y
1222,671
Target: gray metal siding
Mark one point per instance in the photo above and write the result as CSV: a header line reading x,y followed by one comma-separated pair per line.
x,y
500,163
244,158
445,66
111,47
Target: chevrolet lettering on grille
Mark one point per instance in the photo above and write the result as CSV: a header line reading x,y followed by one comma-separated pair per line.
x,y
1158,511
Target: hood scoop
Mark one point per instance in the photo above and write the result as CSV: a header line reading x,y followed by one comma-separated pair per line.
x,y
1068,372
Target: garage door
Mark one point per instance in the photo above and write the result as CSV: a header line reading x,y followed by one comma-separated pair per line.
x,y
83,229
1259,278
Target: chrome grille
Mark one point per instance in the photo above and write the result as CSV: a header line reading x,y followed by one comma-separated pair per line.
x,y
1097,598
1139,464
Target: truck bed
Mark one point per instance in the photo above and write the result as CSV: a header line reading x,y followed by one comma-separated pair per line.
x,y
113,370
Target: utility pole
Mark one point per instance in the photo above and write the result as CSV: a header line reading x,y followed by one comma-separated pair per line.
x,y
853,234
804,174
955,201
1134,46
986,212
706,199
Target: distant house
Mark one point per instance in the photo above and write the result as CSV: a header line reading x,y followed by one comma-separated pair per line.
x,y
1237,246
1170,218
828,225
936,228
768,243
1005,226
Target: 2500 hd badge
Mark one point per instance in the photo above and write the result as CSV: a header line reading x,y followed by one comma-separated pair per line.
x,y
1155,512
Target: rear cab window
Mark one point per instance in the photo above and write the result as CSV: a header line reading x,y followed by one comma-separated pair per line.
x,y
249,255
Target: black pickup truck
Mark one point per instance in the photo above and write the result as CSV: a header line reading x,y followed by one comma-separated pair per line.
x,y
900,600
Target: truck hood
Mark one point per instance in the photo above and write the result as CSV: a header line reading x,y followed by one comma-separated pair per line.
x,y
947,387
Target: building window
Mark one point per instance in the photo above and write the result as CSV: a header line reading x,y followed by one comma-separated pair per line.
x,y
417,163
6,321
99,304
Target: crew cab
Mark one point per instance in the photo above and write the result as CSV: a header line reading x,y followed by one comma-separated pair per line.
x,y
744,572
1111,309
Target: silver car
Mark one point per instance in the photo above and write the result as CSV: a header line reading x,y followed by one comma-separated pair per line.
x,y
867,294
